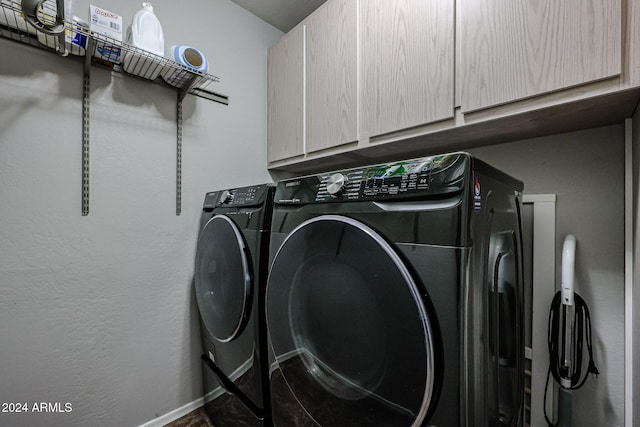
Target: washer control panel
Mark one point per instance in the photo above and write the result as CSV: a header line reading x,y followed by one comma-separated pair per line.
x,y
380,181
409,179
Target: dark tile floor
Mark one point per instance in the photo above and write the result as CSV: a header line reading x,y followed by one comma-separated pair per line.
x,y
195,418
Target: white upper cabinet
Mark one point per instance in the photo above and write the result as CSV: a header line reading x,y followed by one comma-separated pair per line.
x,y
286,96
407,63
331,75
313,82
364,80
511,50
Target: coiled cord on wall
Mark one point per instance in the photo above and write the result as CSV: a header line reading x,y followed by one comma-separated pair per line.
x,y
581,331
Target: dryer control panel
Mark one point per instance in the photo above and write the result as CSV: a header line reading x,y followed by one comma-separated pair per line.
x,y
405,179
236,197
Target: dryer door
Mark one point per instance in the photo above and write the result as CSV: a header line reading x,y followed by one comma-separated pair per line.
x,y
349,327
223,278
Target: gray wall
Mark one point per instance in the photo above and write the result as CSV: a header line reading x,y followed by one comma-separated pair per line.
x,y
98,311
586,171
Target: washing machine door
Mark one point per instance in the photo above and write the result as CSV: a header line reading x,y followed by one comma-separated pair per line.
x,y
223,278
351,330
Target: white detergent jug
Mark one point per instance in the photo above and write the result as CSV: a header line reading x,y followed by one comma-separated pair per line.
x,y
144,33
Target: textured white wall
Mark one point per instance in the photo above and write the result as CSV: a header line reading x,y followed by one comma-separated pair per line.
x,y
98,311
586,171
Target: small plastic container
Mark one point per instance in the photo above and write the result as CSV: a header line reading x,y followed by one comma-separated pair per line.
x,y
144,34
189,59
75,38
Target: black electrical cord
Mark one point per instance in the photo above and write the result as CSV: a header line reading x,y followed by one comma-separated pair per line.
x,y
581,329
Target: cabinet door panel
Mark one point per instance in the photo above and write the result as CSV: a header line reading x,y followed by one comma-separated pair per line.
x,y
407,63
331,109
511,50
285,96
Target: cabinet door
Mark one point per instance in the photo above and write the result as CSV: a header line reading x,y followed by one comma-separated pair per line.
x,y
331,72
511,50
286,97
407,63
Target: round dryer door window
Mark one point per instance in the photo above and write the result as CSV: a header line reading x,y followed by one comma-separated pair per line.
x,y
350,327
222,278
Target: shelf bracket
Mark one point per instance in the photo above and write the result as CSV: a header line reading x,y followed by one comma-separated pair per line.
x,y
179,155
86,98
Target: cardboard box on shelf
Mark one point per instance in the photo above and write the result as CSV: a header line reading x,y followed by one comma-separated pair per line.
x,y
108,24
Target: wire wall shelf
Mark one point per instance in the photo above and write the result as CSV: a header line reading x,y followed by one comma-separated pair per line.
x,y
95,49
109,53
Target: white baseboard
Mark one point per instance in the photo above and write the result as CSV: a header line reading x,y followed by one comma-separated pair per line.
x,y
175,414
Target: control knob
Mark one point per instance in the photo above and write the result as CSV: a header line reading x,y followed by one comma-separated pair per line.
x,y
225,196
335,184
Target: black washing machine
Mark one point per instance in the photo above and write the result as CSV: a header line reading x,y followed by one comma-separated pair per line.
x,y
230,275
394,296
